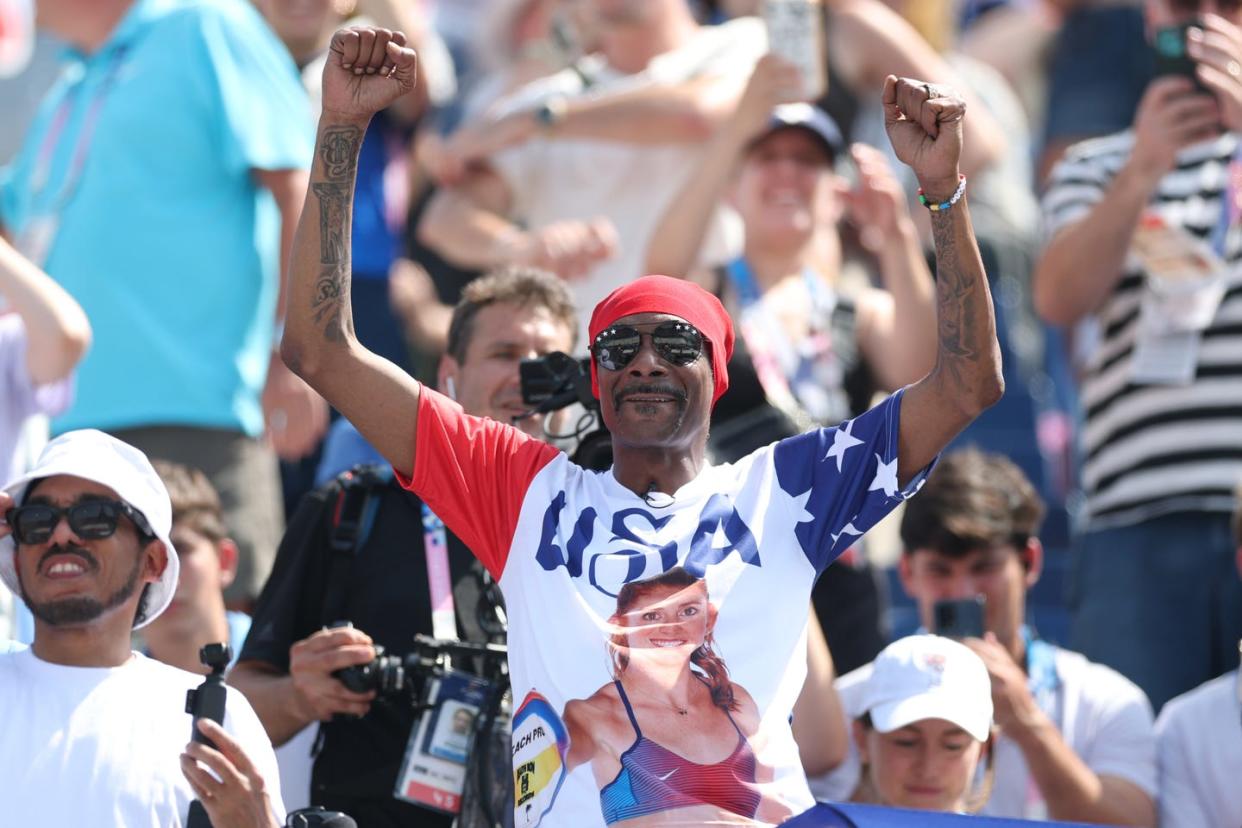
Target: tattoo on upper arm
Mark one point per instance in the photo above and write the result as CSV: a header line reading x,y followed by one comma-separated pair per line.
x,y
338,152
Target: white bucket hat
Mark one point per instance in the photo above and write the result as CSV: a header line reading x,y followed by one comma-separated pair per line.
x,y
101,458
928,677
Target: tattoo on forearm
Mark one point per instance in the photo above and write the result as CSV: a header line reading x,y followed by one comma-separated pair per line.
x,y
338,152
338,149
957,298
328,290
332,221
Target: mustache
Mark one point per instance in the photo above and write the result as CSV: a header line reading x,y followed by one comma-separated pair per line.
x,y
86,557
649,389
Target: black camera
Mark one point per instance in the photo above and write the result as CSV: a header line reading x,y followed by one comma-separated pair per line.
x,y
392,676
207,702
317,817
384,674
555,380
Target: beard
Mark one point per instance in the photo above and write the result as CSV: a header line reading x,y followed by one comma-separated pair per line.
x,y
77,611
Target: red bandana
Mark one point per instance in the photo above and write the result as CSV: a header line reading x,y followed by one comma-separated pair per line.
x,y
661,294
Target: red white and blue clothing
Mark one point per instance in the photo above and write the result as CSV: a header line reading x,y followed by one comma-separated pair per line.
x,y
562,541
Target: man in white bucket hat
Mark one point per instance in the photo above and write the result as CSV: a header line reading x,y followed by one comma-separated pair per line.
x,y
94,732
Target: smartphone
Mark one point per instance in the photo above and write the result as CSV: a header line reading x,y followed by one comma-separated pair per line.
x,y
959,618
1170,52
796,33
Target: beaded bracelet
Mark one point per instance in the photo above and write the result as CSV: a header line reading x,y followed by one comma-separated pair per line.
x,y
944,205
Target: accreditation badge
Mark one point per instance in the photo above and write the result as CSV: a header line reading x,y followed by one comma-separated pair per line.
x,y
433,773
1185,283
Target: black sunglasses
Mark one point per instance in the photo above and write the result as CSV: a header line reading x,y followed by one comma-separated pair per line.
x,y
90,520
679,343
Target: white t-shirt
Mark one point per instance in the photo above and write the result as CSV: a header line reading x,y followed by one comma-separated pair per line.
x,y
102,745
738,547
631,184
1103,717
1200,741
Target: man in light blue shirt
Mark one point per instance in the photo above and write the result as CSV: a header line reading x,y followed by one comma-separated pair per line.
x,y
157,183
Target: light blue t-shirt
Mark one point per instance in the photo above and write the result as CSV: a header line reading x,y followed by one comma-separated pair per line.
x,y
164,237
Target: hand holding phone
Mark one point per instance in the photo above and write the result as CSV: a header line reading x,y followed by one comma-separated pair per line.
x,y
1171,52
796,33
961,618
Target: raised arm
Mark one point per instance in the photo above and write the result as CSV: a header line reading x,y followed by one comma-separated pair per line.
x,y
57,331
366,70
924,124
643,111
674,247
467,224
873,41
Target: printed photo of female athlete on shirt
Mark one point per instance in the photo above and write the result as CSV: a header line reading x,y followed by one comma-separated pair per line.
x,y
671,740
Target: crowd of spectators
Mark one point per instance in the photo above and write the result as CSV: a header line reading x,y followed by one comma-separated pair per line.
x,y
544,154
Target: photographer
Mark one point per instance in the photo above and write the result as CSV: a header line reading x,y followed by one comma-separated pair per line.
x,y
95,733
1075,739
564,541
286,667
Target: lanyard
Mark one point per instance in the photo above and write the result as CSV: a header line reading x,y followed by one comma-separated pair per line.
x,y
1231,209
39,178
439,579
762,339
767,365
1041,668
1044,683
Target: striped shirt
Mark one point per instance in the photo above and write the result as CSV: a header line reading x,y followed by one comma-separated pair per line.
x,y
1157,449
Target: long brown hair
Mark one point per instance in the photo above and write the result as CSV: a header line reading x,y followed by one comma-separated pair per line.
x,y
704,657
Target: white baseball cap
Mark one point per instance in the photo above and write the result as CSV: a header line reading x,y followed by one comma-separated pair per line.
x,y
928,677
101,458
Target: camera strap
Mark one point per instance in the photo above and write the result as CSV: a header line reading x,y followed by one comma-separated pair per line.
x,y
439,579
353,516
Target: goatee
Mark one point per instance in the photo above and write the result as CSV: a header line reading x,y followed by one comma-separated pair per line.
x,y
71,612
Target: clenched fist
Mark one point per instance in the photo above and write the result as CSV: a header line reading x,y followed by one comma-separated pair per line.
x,y
367,69
924,124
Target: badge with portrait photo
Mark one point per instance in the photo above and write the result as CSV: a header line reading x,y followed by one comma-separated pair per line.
x,y
433,773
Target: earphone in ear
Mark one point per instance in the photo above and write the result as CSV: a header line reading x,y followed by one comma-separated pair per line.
x,y
450,388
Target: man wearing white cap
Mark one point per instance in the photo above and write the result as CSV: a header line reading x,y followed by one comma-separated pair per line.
x,y
923,722
96,733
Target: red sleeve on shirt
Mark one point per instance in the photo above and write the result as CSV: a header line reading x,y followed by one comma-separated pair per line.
x,y
473,472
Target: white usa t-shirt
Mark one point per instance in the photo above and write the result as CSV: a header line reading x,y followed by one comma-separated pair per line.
x,y
102,745
656,649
